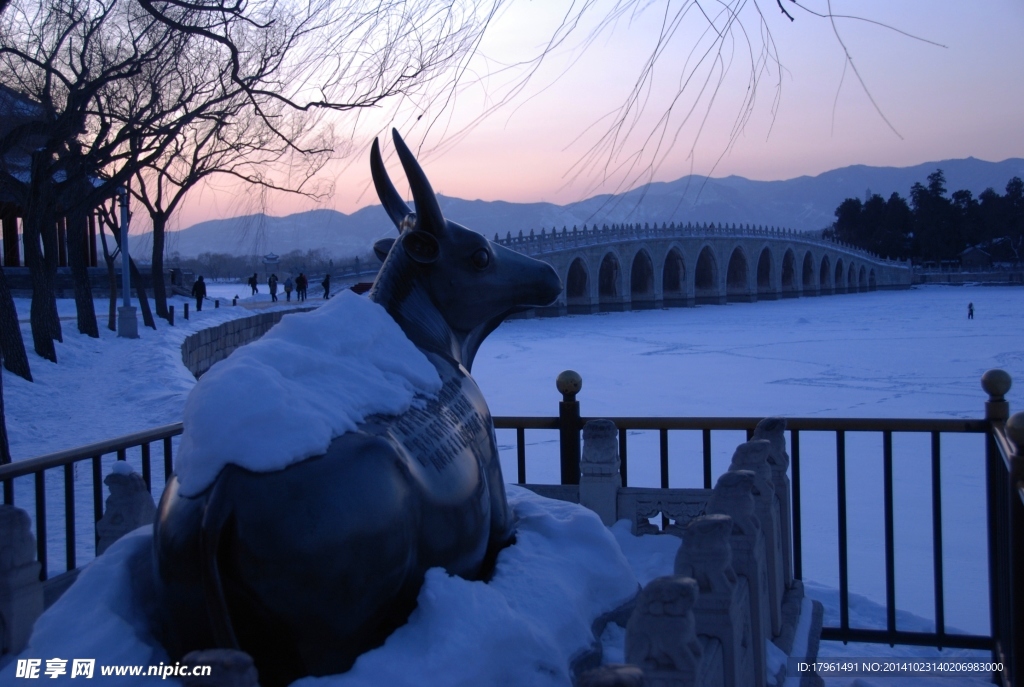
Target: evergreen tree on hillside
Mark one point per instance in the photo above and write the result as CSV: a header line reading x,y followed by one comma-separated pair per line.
x,y
936,234
876,225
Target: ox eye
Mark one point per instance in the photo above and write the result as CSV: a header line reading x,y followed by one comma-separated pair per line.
x,y
481,259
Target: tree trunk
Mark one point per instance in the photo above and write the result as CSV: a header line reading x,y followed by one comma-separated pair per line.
x,y
12,346
140,293
42,293
39,234
111,282
159,289
51,251
78,227
5,448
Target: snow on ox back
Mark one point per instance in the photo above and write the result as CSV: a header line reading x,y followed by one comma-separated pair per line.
x,y
310,379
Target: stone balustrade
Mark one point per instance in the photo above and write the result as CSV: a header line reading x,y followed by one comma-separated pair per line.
x,y
736,548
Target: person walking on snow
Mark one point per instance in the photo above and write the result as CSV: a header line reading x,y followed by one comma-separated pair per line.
x,y
970,311
253,281
301,284
272,283
199,291
288,286
326,283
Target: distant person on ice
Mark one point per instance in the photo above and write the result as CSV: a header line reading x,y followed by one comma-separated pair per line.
x,y
970,311
326,283
253,281
272,283
199,291
288,286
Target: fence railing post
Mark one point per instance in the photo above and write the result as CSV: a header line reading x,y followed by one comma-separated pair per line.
x,y
1015,432
996,384
569,384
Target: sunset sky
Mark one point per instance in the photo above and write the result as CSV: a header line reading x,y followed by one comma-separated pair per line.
x,y
963,97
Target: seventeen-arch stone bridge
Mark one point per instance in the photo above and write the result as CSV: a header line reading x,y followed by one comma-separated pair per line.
x,y
629,267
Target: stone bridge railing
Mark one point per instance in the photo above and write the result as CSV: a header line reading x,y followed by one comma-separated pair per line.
x,y
554,240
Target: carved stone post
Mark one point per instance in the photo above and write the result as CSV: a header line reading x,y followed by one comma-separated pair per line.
x,y
733,495
723,608
661,636
753,456
600,479
773,429
129,506
21,592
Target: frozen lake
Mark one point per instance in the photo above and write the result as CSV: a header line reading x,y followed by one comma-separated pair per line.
x,y
884,354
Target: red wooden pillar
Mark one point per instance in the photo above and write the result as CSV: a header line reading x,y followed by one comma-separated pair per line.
x,y
62,242
9,219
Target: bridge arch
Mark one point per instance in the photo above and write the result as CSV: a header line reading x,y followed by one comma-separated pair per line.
x,y
705,277
790,286
862,279
825,274
838,284
673,277
766,275
737,276
641,280
810,286
609,282
577,287
872,283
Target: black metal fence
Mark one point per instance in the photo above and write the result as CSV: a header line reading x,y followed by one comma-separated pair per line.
x,y
1004,495
42,469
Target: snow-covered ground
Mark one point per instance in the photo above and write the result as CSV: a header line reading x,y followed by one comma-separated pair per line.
x,y
883,354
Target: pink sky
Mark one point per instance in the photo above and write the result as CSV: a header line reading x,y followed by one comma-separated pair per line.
x,y
964,99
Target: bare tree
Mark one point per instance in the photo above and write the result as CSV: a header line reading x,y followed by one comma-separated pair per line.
x,y
74,60
239,143
94,67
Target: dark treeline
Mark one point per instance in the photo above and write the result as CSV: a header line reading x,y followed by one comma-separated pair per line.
x,y
935,226
317,261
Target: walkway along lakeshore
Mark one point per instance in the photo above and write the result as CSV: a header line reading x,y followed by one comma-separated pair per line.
x,y
46,487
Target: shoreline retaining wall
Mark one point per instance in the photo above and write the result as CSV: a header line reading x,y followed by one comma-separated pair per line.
x,y
201,350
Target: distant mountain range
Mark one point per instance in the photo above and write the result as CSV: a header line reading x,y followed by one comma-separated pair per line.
x,y
805,204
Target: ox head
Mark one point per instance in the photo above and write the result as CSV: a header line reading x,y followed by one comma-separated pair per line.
x,y
448,287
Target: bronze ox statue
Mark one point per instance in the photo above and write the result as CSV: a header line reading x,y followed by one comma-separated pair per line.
x,y
307,567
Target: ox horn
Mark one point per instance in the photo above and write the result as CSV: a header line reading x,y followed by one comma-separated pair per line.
x,y
393,204
427,209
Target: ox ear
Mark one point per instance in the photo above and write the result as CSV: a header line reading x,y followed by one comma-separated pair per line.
x,y
421,246
382,248
427,210
389,197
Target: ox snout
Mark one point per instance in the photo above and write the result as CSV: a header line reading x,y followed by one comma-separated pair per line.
x,y
542,288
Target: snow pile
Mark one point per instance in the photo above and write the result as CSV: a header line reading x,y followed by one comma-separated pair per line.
x,y
523,627
311,378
